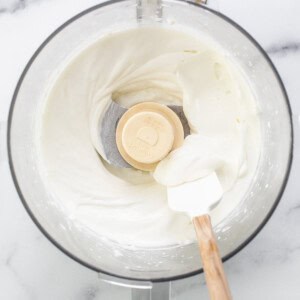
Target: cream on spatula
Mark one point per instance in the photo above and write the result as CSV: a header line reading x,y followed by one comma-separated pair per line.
x,y
197,198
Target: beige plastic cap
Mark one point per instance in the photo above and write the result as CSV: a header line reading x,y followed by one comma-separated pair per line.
x,y
146,133
147,137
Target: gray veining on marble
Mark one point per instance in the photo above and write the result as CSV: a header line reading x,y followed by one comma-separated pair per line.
x,y
11,6
284,49
32,268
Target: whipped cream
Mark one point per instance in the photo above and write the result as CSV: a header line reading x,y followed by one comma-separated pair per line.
x,y
147,64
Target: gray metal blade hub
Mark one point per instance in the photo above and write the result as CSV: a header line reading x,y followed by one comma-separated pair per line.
x,y
108,126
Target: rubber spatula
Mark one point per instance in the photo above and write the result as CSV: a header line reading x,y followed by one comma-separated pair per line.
x,y
197,198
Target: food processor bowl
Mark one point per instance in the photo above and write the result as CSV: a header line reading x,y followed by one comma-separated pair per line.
x,y
125,263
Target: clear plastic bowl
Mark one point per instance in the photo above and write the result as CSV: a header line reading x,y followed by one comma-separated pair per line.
x,y
234,232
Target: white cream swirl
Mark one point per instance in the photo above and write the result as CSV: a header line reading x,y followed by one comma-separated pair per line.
x,y
147,64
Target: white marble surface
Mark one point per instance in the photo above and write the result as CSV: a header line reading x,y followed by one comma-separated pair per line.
x,y
32,268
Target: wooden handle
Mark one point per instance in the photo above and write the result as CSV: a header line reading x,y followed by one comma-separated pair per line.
x,y
212,264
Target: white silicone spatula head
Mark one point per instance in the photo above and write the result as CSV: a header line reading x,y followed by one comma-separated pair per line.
x,y
197,197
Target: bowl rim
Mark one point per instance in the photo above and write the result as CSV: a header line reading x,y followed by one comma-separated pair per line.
x,y
60,247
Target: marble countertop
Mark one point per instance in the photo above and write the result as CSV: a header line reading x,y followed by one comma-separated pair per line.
x,y
32,268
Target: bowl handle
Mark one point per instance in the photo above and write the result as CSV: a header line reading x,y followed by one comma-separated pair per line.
x,y
141,290
148,10
159,291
